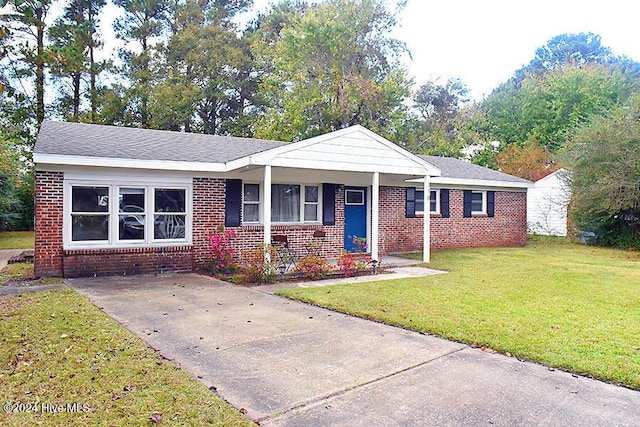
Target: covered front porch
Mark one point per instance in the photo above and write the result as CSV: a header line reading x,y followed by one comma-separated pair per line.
x,y
330,185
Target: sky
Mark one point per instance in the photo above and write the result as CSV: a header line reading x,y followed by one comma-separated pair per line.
x,y
484,42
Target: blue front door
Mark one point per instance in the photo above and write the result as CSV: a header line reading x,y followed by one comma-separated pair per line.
x,y
355,218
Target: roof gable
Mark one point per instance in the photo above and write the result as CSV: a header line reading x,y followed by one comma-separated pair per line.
x,y
351,149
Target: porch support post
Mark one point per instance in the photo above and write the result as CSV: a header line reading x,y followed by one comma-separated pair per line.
x,y
375,209
266,208
426,223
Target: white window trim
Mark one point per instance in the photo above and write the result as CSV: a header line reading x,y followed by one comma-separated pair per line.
x,y
302,204
114,241
484,203
348,190
437,211
259,203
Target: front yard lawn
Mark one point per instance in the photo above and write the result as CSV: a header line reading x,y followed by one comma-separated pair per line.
x,y
16,240
564,305
59,352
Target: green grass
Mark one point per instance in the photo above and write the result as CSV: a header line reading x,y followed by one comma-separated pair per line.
x,y
57,348
16,240
561,304
22,274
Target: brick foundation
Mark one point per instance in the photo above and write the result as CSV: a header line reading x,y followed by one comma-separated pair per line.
x,y
110,262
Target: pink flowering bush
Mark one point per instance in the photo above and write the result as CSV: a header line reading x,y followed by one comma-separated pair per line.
x,y
352,263
221,253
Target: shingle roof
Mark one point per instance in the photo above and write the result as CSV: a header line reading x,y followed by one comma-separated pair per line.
x,y
454,168
79,139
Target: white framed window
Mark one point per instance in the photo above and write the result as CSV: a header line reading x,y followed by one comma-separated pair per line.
x,y
290,203
170,213
108,215
478,202
354,197
90,215
434,201
311,203
132,215
251,202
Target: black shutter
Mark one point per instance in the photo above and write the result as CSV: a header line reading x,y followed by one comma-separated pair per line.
x,y
467,203
491,203
329,204
233,203
444,203
410,204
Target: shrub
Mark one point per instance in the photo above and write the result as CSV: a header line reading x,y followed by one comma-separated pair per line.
x,y
254,266
221,253
314,267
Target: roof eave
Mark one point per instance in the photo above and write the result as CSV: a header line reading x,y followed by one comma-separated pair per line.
x,y
462,182
69,160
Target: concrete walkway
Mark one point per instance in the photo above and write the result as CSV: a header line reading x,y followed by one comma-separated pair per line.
x,y
288,363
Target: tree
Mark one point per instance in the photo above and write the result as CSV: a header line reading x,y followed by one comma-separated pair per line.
x,y
436,130
75,39
143,22
208,72
576,50
334,65
440,104
546,107
24,43
605,160
529,161
16,176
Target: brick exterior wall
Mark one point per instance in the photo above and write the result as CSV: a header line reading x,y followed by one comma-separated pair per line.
x,y
208,213
508,227
49,208
397,233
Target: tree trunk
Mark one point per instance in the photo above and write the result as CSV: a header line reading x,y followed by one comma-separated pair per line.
x,y
144,98
40,65
76,97
92,89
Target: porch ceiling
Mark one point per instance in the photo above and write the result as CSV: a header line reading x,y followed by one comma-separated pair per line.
x,y
314,176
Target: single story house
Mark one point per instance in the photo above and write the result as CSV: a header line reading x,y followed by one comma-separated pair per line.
x,y
114,200
547,204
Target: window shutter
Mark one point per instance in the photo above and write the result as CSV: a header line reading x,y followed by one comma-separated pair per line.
x,y
233,203
329,204
467,203
410,204
444,203
491,203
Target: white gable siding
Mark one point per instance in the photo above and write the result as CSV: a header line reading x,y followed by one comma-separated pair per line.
x,y
547,204
355,151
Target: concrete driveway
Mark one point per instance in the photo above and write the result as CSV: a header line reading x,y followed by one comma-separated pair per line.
x,y
288,363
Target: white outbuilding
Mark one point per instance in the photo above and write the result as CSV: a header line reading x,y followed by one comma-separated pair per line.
x,y
547,204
